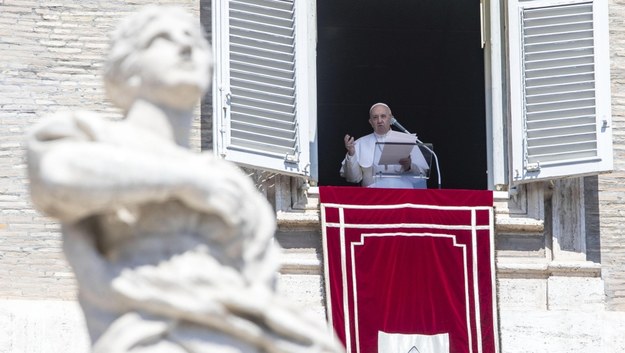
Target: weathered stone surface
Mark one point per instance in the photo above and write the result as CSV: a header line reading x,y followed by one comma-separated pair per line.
x,y
562,331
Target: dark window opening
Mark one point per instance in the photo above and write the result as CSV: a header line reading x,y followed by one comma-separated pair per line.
x,y
423,59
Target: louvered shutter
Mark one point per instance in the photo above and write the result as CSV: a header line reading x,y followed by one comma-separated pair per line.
x,y
559,89
264,91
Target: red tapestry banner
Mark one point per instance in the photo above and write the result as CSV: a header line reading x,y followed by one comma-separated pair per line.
x,y
410,267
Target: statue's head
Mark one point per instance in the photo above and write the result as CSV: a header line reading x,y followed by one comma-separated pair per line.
x,y
160,54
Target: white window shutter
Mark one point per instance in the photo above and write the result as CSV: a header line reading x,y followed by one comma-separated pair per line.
x,y
559,89
264,93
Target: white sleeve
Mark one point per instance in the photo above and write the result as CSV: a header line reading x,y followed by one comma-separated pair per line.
x,y
350,169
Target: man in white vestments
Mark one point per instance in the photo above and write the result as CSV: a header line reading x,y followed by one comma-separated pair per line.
x,y
361,163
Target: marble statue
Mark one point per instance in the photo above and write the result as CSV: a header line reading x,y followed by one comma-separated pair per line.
x,y
172,250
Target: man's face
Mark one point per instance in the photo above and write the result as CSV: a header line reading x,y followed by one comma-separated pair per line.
x,y
380,119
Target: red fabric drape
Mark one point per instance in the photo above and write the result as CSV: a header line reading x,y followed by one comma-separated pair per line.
x,y
410,261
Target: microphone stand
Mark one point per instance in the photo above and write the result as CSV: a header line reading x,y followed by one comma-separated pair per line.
x,y
403,129
438,170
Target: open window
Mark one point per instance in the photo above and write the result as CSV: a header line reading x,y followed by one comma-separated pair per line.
x,y
559,89
540,106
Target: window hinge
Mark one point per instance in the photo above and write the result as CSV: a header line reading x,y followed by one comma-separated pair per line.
x,y
533,167
292,158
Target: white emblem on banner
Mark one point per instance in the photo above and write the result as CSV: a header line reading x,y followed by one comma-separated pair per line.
x,y
412,343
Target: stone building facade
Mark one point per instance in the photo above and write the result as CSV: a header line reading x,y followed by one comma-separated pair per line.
x,y
561,271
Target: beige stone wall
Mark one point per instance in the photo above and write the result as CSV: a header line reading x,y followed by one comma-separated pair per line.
x,y
612,186
51,54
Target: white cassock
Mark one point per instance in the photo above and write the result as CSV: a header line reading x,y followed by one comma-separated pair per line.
x,y
363,166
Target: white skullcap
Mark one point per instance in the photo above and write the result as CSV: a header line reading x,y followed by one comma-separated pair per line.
x,y
380,103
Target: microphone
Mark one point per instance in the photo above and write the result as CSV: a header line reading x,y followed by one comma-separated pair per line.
x,y
398,125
